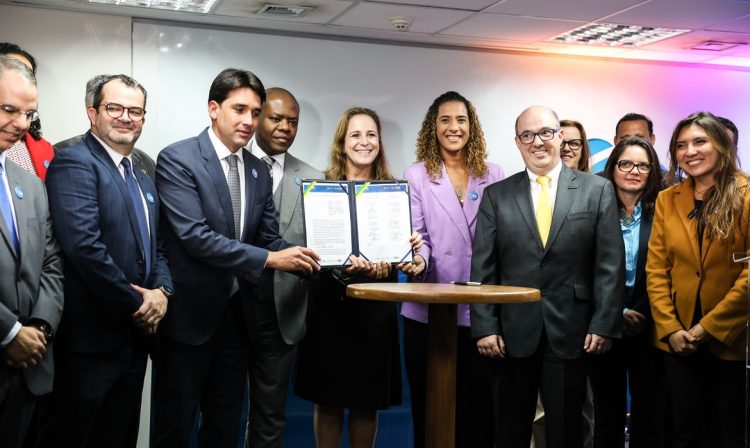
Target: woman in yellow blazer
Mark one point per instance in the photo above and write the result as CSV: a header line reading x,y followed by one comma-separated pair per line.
x,y
698,294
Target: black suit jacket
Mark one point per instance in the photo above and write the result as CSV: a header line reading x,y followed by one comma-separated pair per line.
x,y
580,273
96,226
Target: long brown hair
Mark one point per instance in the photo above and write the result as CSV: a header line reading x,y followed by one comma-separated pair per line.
x,y
428,149
722,205
583,162
337,164
654,182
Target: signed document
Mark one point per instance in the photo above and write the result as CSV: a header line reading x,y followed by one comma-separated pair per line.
x,y
367,218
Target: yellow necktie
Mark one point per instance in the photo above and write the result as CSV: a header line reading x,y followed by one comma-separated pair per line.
x,y
544,209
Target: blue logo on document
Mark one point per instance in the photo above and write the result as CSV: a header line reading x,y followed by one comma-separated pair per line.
x,y
150,198
19,192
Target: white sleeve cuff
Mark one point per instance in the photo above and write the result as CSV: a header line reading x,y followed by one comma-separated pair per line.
x,y
11,335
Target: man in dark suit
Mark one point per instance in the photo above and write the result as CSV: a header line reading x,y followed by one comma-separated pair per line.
x,y
117,281
141,160
31,291
281,305
222,233
555,229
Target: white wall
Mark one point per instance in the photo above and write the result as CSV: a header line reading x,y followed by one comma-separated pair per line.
x,y
177,63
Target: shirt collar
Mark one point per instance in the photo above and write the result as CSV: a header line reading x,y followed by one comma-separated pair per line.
x,y
259,153
553,175
114,155
221,149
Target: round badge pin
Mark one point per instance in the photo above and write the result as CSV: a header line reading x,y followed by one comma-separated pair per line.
x,y
46,163
19,192
255,173
150,197
297,180
473,195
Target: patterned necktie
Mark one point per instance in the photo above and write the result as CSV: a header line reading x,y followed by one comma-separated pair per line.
x,y
544,209
140,214
5,208
269,161
233,181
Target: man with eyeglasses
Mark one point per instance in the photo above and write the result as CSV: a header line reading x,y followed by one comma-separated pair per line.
x,y
141,160
31,290
117,281
554,229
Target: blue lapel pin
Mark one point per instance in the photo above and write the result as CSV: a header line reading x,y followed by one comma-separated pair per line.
x,y
19,192
150,198
46,163
473,195
255,173
297,180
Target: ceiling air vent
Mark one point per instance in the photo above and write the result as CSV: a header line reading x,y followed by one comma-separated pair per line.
x,y
284,10
715,45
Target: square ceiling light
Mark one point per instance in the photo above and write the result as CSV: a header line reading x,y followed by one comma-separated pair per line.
x,y
611,34
199,6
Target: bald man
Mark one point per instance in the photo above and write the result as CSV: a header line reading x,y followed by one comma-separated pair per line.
x,y
281,307
554,229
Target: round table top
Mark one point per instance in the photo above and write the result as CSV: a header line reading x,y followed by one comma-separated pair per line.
x,y
441,293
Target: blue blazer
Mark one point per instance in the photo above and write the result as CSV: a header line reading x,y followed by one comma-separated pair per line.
x,y
199,233
95,224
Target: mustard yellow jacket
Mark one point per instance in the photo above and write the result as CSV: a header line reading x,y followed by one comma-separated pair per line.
x,y
678,273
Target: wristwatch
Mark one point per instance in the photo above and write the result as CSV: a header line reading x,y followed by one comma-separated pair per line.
x,y
45,328
167,291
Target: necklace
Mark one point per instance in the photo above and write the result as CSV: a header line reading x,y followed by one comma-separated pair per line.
x,y
459,194
626,220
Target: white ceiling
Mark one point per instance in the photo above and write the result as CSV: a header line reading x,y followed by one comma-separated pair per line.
x,y
523,25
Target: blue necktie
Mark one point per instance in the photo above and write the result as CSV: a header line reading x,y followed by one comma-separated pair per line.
x,y
140,214
5,206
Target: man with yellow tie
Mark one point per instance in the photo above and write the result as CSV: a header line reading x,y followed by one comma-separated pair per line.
x,y
554,229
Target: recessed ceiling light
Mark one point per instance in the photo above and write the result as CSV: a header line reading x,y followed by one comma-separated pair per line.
x,y
611,34
199,6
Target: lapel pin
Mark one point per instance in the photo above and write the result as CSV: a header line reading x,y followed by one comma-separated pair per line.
x,y
255,173
297,180
46,163
19,192
473,196
150,198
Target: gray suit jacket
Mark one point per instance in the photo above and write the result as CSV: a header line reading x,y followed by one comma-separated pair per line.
x,y
31,287
580,273
290,293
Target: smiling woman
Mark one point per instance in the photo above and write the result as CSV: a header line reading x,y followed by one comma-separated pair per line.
x,y
574,149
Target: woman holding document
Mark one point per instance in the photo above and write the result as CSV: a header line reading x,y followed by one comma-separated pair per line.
x,y
446,188
350,355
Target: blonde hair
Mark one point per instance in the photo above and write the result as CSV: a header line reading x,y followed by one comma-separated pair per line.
x,y
337,158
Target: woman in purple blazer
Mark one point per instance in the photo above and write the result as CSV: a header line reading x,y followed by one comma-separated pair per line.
x,y
446,188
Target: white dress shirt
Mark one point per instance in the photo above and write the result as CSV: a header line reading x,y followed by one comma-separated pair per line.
x,y
536,188
278,163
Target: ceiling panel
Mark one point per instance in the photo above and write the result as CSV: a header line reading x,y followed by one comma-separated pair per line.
x,y
741,25
470,5
511,28
587,10
375,15
325,10
691,14
686,41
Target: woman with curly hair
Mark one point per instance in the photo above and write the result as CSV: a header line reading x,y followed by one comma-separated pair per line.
x,y
698,294
350,357
446,188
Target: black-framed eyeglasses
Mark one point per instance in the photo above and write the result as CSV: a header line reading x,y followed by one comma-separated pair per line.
x,y
627,166
574,145
545,134
115,110
13,111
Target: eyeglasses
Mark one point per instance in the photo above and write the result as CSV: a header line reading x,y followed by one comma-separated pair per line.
x,y
14,112
115,110
545,134
628,165
573,145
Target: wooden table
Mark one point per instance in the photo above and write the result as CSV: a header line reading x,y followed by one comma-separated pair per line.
x,y
440,412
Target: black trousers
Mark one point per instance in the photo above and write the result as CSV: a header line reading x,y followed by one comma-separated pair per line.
x,y
270,368
636,362
210,377
708,400
474,416
97,397
16,407
562,383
